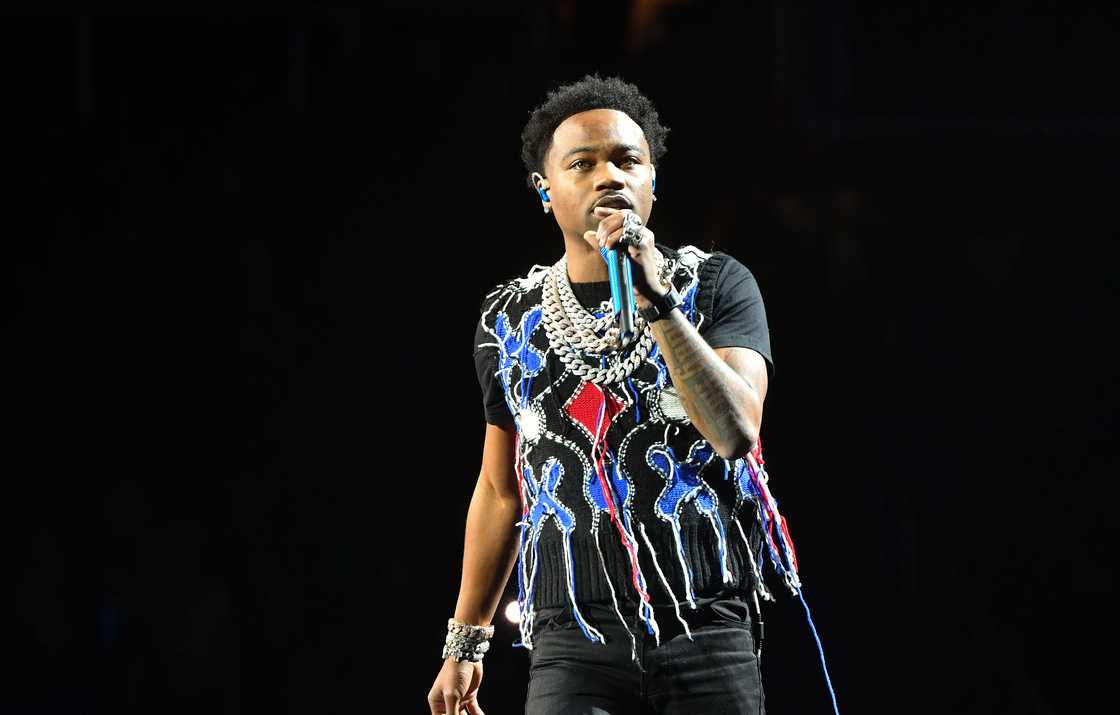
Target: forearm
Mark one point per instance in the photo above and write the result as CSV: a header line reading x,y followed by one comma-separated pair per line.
x,y
489,552
723,407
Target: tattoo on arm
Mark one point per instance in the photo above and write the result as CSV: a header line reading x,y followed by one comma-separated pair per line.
x,y
717,399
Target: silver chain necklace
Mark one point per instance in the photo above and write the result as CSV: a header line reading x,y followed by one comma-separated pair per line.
x,y
577,336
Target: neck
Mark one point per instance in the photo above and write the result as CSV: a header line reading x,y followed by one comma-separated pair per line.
x,y
585,263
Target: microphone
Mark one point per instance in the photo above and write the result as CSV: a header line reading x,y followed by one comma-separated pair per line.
x,y
622,291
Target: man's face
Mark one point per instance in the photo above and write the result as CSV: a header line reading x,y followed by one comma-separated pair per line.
x,y
598,157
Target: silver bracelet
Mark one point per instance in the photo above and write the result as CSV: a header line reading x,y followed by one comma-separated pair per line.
x,y
466,642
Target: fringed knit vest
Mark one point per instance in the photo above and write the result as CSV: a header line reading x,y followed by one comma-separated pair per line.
x,y
623,501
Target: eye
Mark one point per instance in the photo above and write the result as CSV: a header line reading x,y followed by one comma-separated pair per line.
x,y
631,160
576,164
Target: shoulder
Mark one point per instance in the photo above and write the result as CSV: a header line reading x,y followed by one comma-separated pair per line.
x,y
731,269
706,271
512,296
516,287
718,272
707,266
691,256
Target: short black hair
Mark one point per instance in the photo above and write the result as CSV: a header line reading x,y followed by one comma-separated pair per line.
x,y
591,92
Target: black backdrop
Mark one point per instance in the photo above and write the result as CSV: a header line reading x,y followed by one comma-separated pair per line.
x,y
246,261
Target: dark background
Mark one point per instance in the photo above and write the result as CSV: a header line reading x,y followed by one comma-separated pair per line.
x,y
247,251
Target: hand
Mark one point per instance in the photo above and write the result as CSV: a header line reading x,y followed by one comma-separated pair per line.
x,y
647,279
456,689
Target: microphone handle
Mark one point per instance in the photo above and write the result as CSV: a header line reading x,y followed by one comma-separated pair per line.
x,y
622,291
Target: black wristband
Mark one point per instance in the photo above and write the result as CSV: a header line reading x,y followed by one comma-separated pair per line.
x,y
661,307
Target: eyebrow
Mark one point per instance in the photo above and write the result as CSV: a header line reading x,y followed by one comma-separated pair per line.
x,y
620,147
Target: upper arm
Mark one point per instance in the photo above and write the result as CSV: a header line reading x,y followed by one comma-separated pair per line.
x,y
731,302
498,468
749,365
494,406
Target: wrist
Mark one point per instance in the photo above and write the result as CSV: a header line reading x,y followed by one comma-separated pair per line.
x,y
472,619
466,642
641,301
661,306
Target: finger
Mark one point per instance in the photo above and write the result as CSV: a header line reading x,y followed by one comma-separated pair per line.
x,y
436,704
645,236
611,239
645,243
605,211
451,702
608,224
473,708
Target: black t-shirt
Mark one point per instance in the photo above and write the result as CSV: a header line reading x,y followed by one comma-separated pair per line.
x,y
728,298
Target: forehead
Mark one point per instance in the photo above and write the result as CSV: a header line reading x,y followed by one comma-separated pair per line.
x,y
602,128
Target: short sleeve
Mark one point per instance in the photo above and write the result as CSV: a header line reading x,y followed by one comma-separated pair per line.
x,y
494,405
731,303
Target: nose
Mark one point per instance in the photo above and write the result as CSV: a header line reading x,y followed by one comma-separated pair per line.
x,y
609,177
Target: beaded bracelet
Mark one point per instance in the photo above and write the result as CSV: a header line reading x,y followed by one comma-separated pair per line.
x,y
466,642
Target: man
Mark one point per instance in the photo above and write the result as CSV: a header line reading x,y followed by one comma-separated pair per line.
x,y
625,481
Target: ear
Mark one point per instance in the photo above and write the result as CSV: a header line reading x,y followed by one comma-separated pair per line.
x,y
541,185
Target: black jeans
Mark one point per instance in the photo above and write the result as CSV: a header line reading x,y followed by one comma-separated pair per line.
x,y
715,673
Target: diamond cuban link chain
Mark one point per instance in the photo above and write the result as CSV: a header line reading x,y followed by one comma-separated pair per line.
x,y
576,335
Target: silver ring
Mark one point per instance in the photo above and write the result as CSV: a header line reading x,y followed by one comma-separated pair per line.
x,y
631,230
